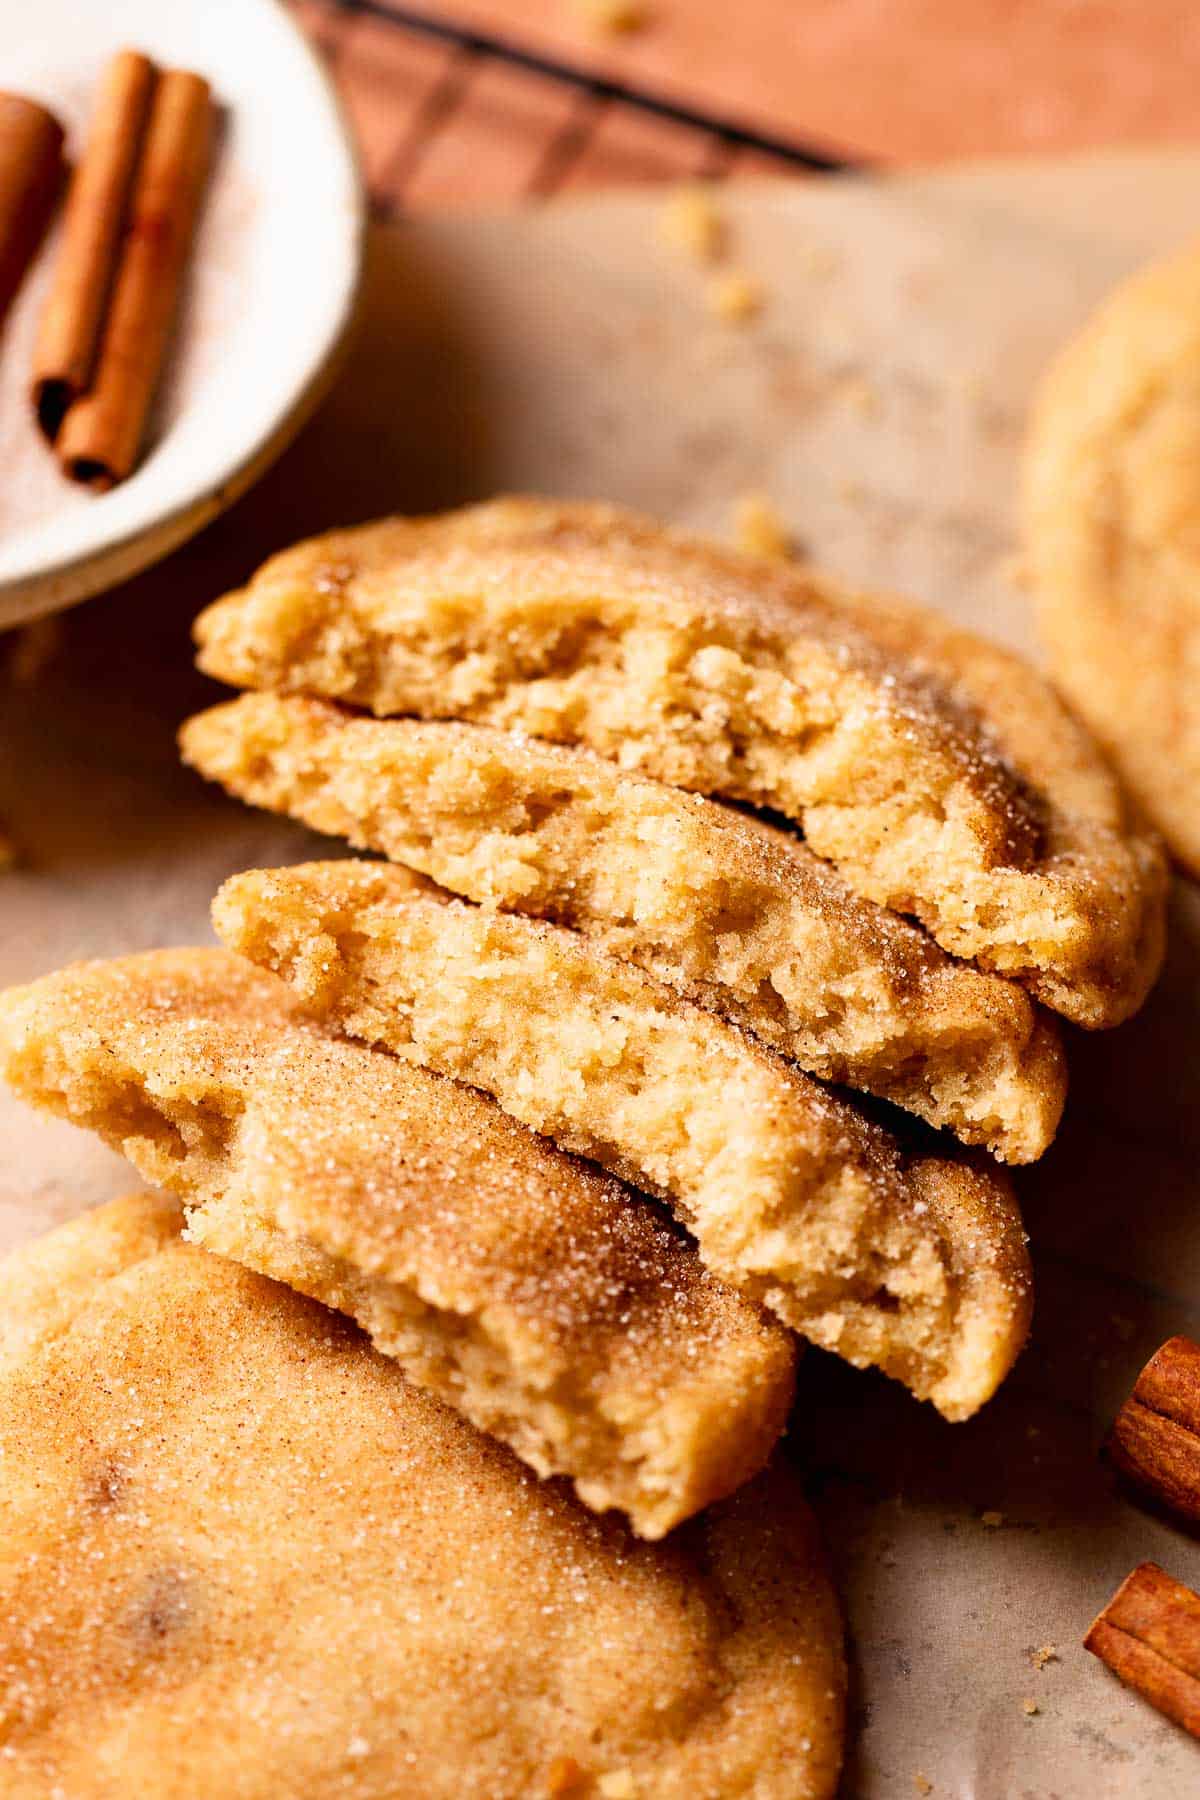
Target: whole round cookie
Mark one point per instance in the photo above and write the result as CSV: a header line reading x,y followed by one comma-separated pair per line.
x,y
241,1555
1112,519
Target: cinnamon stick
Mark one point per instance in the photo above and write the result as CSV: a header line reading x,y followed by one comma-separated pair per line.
x,y
1155,1439
96,206
31,141
102,431
1149,1636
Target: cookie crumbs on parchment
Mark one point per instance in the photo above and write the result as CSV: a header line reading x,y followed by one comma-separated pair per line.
x,y
1046,1653
735,297
691,222
992,1521
613,16
922,1783
859,393
758,528
1029,1707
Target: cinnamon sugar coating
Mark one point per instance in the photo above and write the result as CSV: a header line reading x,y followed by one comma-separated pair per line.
x,y
739,918
743,678
910,1262
548,1304
241,1555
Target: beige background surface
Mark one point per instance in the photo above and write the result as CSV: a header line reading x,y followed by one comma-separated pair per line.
x,y
879,401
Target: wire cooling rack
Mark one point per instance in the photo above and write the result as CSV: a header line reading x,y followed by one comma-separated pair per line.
x,y
447,114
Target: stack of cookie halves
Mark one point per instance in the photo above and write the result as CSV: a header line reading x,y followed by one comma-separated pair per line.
x,y
523,707
678,848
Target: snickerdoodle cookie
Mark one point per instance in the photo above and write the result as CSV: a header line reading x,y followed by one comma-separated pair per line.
x,y
912,1262
547,1303
1112,513
742,678
241,1555
738,917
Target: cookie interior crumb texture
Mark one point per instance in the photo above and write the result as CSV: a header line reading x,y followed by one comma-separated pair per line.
x,y
1111,503
548,1304
739,918
941,775
241,1555
914,1264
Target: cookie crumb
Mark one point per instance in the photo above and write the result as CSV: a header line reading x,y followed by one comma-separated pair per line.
x,y
862,396
758,528
617,1785
1030,1707
992,1520
613,17
922,1783
563,1774
735,297
691,222
818,261
1047,1653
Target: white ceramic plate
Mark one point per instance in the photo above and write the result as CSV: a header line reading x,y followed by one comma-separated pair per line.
x,y
270,290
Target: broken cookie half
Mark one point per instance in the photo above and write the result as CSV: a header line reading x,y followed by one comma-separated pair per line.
x,y
941,776
551,1306
240,1554
742,919
914,1263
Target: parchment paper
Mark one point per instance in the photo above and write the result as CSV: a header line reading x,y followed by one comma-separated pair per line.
x,y
879,401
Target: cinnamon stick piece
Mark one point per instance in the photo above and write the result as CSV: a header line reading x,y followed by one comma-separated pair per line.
x,y
1155,1438
31,141
102,431
96,205
1149,1636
